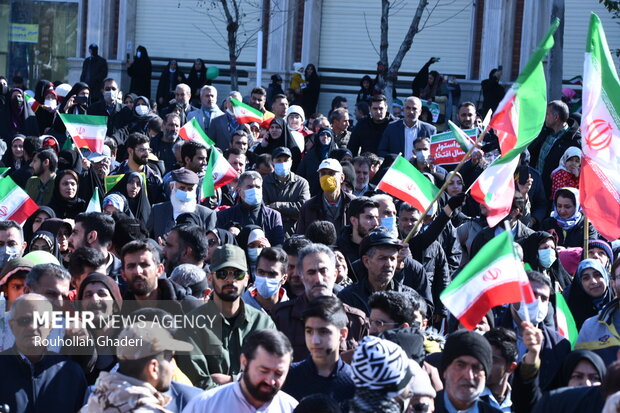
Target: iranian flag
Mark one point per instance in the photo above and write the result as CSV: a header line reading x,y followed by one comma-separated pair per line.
x,y
406,183
86,130
461,137
565,321
245,113
218,173
34,105
494,277
192,131
15,204
517,121
521,114
599,181
94,205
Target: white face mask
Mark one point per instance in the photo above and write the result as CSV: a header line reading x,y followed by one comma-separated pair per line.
x,y
536,310
51,103
142,110
110,95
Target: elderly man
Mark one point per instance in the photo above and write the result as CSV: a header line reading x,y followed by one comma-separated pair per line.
x,y
222,127
208,108
399,136
252,210
466,364
182,96
182,199
50,380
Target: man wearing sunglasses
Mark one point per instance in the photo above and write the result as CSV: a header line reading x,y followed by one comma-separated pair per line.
x,y
216,359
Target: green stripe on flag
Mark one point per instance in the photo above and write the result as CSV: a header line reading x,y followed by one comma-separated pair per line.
x,y
84,119
405,167
563,310
249,108
3,171
111,181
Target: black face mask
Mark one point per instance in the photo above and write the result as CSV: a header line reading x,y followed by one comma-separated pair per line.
x,y
4,90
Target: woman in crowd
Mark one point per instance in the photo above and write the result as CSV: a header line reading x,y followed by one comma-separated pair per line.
x,y
141,115
589,292
34,221
323,144
171,76
279,135
541,254
22,118
65,201
567,174
76,103
14,157
567,219
62,230
139,70
366,90
45,96
310,93
44,241
197,79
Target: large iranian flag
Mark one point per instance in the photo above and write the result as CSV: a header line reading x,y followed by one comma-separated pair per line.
x,y
599,182
192,131
408,184
245,113
15,204
86,130
495,276
517,121
565,320
218,173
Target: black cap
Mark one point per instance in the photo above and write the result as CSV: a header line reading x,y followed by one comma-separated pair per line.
x,y
281,150
376,238
185,176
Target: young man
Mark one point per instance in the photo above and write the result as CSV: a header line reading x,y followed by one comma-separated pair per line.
x,y
323,371
268,289
498,391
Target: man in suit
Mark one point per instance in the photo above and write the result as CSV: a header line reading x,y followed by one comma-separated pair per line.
x,y
400,135
118,116
222,127
182,200
208,109
182,96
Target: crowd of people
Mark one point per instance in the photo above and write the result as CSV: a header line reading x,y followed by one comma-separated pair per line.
x,y
321,305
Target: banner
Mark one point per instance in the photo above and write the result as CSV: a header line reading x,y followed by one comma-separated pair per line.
x,y
446,150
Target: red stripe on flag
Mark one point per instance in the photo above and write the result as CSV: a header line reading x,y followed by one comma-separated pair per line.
x,y
506,293
503,123
248,119
227,178
23,212
403,196
599,199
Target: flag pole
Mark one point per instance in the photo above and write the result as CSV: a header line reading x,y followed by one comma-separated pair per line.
x,y
414,230
586,234
514,252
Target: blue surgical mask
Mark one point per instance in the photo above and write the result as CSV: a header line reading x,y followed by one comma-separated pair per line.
x,y
546,257
388,223
536,310
267,287
184,196
253,196
282,169
422,156
253,253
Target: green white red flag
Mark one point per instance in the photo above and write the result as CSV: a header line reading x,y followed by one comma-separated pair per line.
x,y
15,204
565,321
406,183
245,113
218,173
192,131
494,277
94,205
464,141
86,130
517,122
599,181
32,102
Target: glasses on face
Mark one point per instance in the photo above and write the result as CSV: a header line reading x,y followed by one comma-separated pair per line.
x,y
381,323
236,274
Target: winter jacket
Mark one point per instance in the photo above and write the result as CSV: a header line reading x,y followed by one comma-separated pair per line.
x,y
599,333
313,210
569,238
269,220
366,135
286,197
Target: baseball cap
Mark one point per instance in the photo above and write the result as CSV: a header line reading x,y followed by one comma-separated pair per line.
x,y
377,238
228,255
98,157
330,164
149,341
281,150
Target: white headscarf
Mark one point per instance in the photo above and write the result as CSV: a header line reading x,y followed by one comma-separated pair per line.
x,y
569,153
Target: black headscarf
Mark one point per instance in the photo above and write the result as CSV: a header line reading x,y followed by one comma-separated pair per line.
x,y
139,206
285,140
571,361
51,241
530,246
30,221
66,208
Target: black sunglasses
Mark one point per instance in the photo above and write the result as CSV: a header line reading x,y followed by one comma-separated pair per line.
x,y
223,274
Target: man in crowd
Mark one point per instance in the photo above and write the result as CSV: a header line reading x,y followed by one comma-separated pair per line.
x,y
182,96
12,244
237,159
363,217
208,108
82,262
252,210
94,71
185,244
329,205
222,127
268,289
399,136
258,97
111,107
279,106
367,133
183,199
362,176
294,285
284,190
95,230
498,391
265,359
40,186
317,265
162,144
339,119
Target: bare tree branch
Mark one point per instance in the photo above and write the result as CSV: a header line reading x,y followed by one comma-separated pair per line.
x,y
383,46
447,18
430,13
369,36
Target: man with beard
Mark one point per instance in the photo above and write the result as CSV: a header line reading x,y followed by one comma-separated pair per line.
x,y
363,217
83,261
144,373
40,186
465,364
162,144
217,349
100,295
265,359
142,271
183,199
138,149
185,244
95,230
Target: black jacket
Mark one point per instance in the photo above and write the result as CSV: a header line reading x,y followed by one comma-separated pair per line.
x,y
366,135
569,238
483,407
346,245
312,210
488,234
357,294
